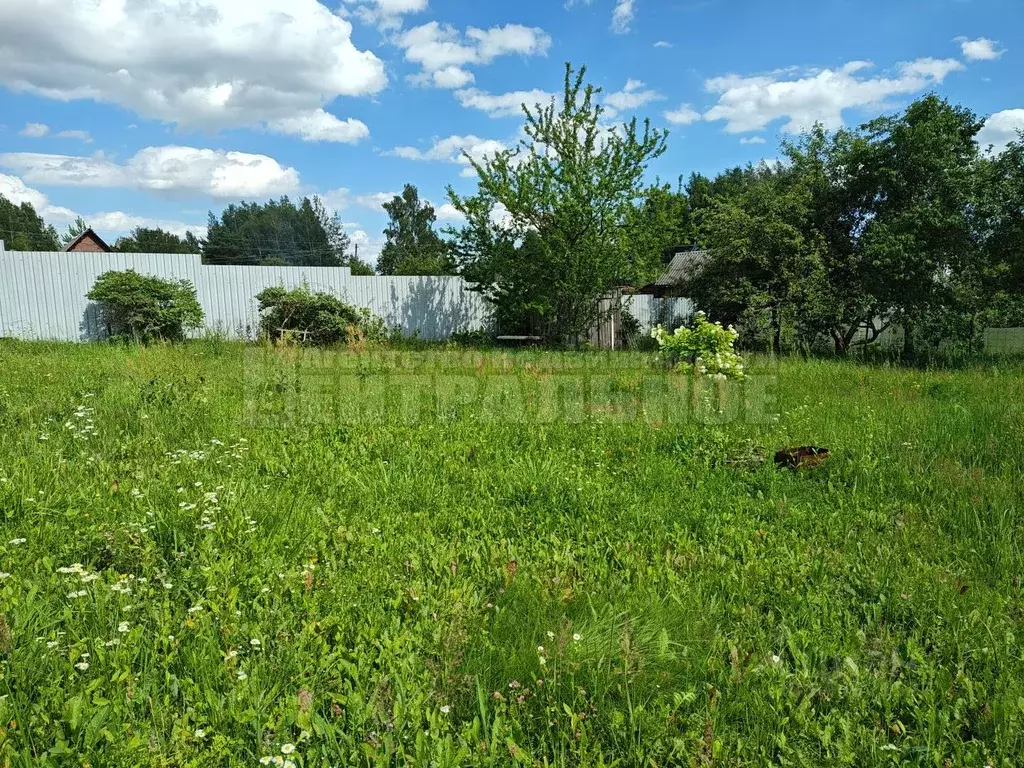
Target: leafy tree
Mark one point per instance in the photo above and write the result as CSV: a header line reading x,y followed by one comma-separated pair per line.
x,y
358,266
574,183
279,231
412,246
156,240
915,178
73,231
765,258
22,229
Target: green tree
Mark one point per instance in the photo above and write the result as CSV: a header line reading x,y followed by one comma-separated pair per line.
x,y
73,231
575,184
766,260
915,184
22,229
279,231
412,246
156,240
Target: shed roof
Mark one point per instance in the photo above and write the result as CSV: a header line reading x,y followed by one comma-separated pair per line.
x,y
684,265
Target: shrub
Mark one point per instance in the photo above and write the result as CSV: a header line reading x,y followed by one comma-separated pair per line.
x,y
706,348
317,319
145,308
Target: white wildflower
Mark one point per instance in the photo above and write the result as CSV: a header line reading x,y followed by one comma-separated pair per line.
x,y
287,749
82,666
17,542
123,626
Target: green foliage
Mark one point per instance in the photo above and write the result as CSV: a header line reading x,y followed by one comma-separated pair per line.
x,y
399,575
22,229
73,231
555,223
412,246
156,240
144,308
764,253
318,319
900,221
278,232
706,349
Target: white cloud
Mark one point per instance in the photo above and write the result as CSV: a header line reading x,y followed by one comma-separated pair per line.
x,y
34,130
685,115
449,77
342,198
82,136
751,103
502,104
511,38
169,170
235,63
632,96
981,49
374,201
753,140
107,223
622,16
386,14
318,125
663,44
451,150
444,53
1001,128
448,212
435,46
15,190
369,246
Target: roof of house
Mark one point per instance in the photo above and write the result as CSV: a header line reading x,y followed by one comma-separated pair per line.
x,y
89,233
683,266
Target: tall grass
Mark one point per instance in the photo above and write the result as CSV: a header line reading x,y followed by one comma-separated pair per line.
x,y
262,567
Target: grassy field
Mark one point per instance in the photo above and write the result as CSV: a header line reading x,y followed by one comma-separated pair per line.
x,y
210,557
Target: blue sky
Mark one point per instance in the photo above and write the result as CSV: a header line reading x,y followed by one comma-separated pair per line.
x,y
153,113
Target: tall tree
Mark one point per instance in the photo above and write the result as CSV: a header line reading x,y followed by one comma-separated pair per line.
x,y
74,230
412,246
765,258
277,232
156,240
575,184
22,229
914,178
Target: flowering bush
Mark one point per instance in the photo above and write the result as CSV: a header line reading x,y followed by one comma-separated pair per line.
x,y
706,348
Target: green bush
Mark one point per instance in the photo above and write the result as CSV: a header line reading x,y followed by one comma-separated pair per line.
x,y
144,308
319,319
706,349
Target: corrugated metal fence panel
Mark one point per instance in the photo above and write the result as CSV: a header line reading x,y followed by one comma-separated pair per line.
x,y
42,295
650,311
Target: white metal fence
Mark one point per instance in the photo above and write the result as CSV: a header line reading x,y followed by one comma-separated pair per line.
x,y
42,295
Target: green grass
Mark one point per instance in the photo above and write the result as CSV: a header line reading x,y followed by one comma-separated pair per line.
x,y
694,605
